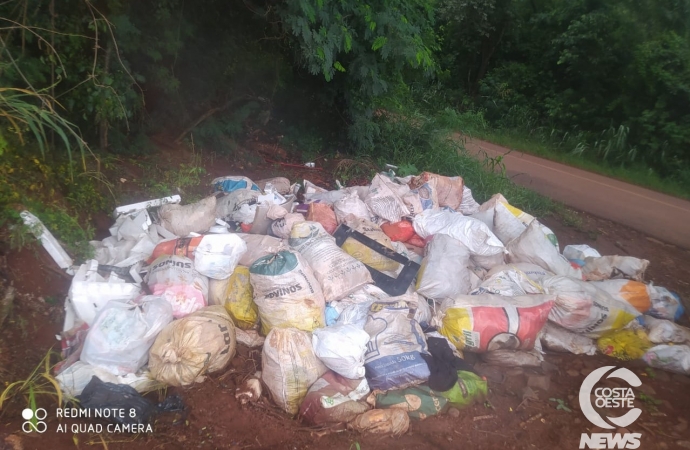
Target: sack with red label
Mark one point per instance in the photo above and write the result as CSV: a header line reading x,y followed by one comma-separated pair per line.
x,y
486,322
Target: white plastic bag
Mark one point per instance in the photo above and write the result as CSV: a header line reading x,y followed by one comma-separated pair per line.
x,y
182,220
337,272
558,339
584,309
289,367
533,246
509,222
393,358
90,292
579,252
385,199
634,293
674,358
259,246
283,226
509,282
485,248
444,271
122,334
175,279
341,348
662,331
237,206
665,304
468,206
188,348
217,255
351,204
533,271
74,379
286,292
607,267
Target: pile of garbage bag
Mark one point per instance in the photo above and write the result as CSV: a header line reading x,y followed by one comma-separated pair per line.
x,y
364,299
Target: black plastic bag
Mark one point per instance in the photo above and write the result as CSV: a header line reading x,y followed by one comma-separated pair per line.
x,y
126,405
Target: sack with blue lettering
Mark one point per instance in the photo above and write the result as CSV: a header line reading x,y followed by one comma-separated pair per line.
x,y
393,358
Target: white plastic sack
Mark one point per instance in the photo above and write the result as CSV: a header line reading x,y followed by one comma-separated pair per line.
x,y
337,272
182,220
259,246
175,279
579,252
674,358
584,309
351,204
188,348
533,271
286,292
122,334
509,282
533,246
469,205
485,248
634,293
509,222
607,267
444,272
217,255
385,199
393,359
90,292
665,304
341,348
74,379
283,226
216,291
289,367
662,331
558,339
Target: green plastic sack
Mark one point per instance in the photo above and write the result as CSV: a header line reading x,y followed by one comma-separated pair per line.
x,y
470,388
419,402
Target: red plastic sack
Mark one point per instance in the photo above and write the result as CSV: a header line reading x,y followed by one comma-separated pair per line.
x,y
399,231
416,240
331,399
177,247
324,214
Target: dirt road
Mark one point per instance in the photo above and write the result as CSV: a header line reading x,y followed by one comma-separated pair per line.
x,y
658,215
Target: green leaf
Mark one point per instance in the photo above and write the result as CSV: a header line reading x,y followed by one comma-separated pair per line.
x,y
379,42
339,67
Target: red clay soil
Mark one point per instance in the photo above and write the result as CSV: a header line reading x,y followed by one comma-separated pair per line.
x,y
214,419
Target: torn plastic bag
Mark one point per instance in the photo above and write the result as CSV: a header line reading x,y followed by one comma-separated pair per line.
x,y
509,282
98,396
233,183
90,292
486,249
394,354
76,377
469,205
664,331
584,309
665,304
259,246
217,255
674,358
289,367
341,348
334,399
419,402
579,252
533,246
237,206
122,334
189,348
394,422
625,345
238,299
337,272
449,190
175,279
607,267
283,226
488,322
287,293
558,339
47,240
533,271
323,214
182,220
385,199
444,272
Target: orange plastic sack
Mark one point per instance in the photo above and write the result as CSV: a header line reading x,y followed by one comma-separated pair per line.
x,y
324,214
416,240
399,231
448,190
177,247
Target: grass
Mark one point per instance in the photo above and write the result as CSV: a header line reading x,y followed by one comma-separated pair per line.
x,y
570,150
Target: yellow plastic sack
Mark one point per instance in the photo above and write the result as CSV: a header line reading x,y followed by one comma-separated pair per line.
x,y
624,344
239,299
359,251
